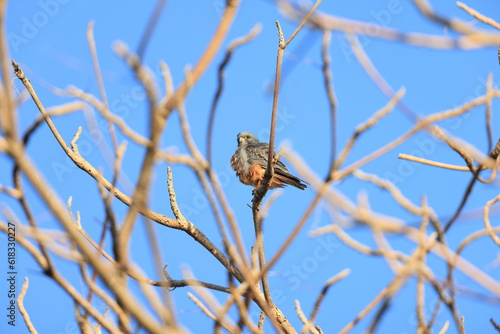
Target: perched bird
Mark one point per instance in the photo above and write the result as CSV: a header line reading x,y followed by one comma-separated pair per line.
x,y
250,163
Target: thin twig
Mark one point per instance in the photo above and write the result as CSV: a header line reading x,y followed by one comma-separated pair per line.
x,y
495,325
267,205
398,196
169,81
322,295
102,294
18,183
166,309
278,320
444,329
332,101
356,245
179,283
384,307
235,293
173,200
489,95
473,237
12,192
204,309
60,110
308,326
361,128
433,163
259,245
486,219
108,115
212,48
83,323
207,297
393,286
22,309
7,111
304,21
422,257
261,191
220,83
100,82
244,316
148,32
425,8
479,16
439,133
110,216
262,317
493,155
156,125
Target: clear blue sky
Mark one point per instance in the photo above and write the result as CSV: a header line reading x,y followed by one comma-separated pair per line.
x,y
48,39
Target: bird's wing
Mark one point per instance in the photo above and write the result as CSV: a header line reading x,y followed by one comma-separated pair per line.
x,y
258,154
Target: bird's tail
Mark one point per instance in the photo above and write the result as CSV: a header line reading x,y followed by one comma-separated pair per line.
x,y
290,179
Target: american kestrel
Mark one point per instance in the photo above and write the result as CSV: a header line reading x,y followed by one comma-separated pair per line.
x,y
250,163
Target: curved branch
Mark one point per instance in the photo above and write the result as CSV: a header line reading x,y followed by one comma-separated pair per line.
x,y
472,40
24,312
220,83
179,283
224,24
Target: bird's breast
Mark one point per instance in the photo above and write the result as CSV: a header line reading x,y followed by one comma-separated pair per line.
x,y
239,161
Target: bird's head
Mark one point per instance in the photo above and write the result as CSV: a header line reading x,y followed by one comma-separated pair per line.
x,y
245,138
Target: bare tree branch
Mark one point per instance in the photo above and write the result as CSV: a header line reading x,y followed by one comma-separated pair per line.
x,y
220,83
22,309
